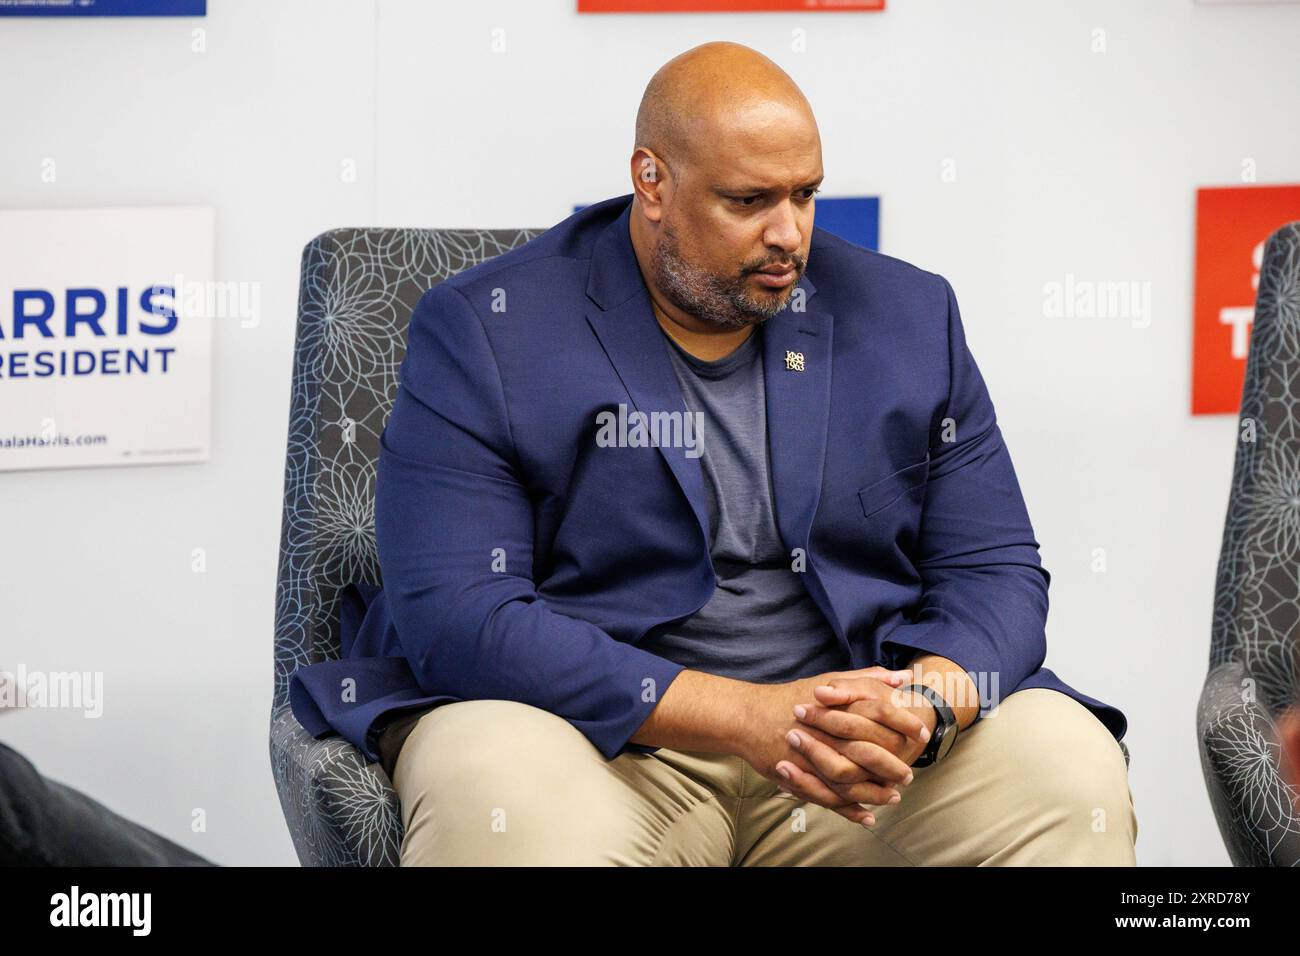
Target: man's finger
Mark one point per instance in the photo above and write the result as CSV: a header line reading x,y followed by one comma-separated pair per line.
x,y
875,672
886,676
851,811
876,774
840,722
807,786
828,763
877,709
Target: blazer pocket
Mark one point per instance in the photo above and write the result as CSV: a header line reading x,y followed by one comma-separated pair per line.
x,y
879,495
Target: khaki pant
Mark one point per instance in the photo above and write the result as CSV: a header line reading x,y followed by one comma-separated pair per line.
x,y
493,782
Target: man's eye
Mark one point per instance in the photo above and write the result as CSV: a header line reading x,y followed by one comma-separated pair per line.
x,y
750,201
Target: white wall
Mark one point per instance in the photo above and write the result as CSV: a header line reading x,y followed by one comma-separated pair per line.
x,y
1068,161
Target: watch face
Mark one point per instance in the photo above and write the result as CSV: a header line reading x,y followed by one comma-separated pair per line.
x,y
934,746
949,739
946,744
945,729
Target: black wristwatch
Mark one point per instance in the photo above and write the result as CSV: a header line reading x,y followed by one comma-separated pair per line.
x,y
945,729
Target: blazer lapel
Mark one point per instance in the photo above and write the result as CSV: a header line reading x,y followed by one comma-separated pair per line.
x,y
797,370
628,331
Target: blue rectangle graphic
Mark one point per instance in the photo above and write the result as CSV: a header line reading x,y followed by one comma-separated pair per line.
x,y
103,8
854,218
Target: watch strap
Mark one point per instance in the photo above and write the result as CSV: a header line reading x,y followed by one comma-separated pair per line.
x,y
945,725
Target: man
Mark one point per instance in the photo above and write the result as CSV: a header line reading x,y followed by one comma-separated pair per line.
x,y
701,543
1288,735
47,823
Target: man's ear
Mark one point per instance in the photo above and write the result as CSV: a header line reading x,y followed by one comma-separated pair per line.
x,y
647,167
648,173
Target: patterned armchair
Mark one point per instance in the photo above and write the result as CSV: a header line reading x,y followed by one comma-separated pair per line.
x,y
1254,641
359,287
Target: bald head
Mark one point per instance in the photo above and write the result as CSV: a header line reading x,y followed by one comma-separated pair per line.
x,y
725,166
713,91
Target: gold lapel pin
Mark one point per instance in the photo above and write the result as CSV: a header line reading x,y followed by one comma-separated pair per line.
x,y
794,361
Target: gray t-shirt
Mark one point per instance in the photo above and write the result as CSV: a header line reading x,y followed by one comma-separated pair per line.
x,y
761,625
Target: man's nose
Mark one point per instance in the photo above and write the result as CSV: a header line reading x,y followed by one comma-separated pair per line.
x,y
783,228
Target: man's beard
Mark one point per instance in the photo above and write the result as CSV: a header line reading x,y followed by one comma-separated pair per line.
x,y
718,300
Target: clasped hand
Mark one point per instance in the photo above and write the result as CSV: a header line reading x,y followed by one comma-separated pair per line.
x,y
841,740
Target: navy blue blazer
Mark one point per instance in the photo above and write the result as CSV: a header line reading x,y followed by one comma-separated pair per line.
x,y
522,560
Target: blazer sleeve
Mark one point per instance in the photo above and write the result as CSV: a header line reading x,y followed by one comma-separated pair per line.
x,y
454,528
984,602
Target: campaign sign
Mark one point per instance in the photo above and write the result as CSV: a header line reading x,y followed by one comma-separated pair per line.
x,y
1232,225
105,337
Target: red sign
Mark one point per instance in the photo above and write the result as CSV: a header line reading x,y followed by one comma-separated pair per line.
x,y
730,6
1232,224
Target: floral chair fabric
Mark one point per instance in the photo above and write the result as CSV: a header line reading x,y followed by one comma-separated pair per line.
x,y
1254,643
358,289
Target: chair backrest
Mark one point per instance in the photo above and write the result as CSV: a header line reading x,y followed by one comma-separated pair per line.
x,y
359,287
1255,644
